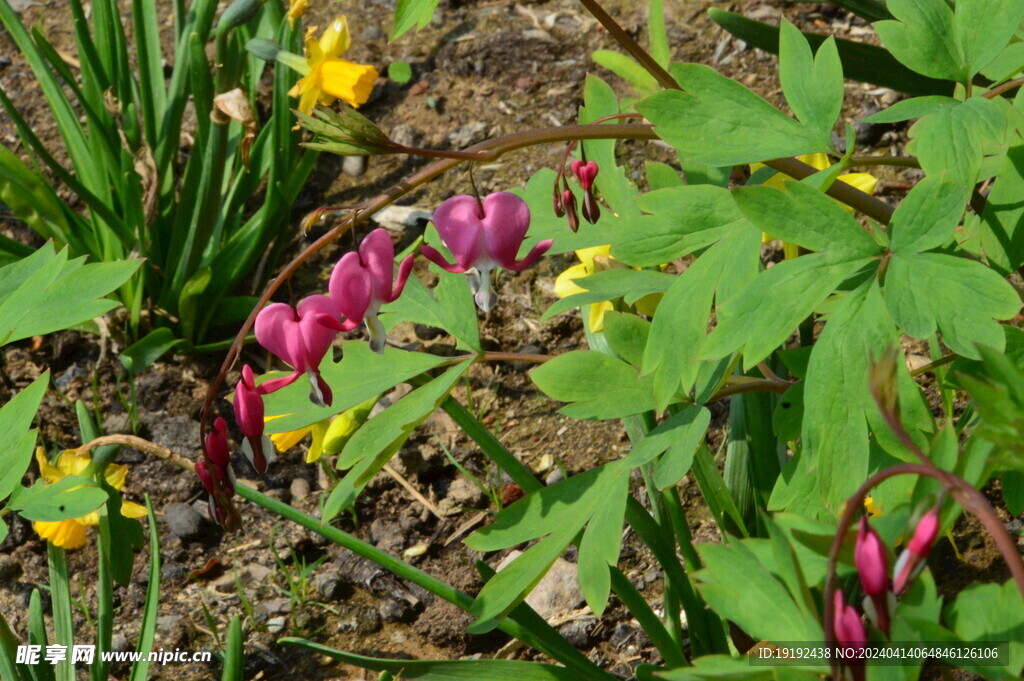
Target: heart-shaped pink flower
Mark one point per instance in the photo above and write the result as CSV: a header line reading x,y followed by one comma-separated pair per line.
x,y
586,171
483,236
249,413
300,337
362,282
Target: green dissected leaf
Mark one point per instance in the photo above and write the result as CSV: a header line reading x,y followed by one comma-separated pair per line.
x,y
867,63
928,215
449,306
768,311
360,375
380,437
959,296
599,548
661,176
15,420
1002,221
989,613
787,419
45,292
983,28
620,282
739,588
922,37
559,512
626,68
680,327
813,85
70,497
979,127
1006,64
443,670
412,13
677,222
806,217
141,354
597,385
770,308
600,102
627,334
720,122
674,441
916,107
835,432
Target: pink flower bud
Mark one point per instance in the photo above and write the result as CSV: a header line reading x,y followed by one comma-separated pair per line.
x,y
849,630
300,337
217,448
204,476
249,413
911,561
362,282
591,209
872,563
569,201
586,172
484,241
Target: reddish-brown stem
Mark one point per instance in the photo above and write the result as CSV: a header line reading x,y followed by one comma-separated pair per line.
x,y
1000,89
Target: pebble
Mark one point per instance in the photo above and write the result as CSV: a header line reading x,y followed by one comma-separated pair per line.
x,y
399,218
275,625
554,477
462,493
405,135
299,489
359,619
189,525
372,33
249,574
354,166
557,593
468,135
577,632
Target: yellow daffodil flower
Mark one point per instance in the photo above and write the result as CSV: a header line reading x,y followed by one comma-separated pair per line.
x,y
288,439
71,533
862,181
872,510
296,8
328,77
592,260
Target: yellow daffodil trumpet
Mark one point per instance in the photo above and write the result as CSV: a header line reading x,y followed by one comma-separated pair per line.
x,y
325,75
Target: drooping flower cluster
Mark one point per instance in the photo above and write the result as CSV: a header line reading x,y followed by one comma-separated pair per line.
x,y
482,236
880,591
565,201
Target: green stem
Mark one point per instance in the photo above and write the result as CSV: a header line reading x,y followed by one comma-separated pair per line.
x,y
99,670
60,596
672,598
543,638
896,161
681,527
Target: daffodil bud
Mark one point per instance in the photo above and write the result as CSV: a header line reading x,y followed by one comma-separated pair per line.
x,y
344,426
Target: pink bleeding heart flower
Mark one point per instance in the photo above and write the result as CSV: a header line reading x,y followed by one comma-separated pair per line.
x,y
484,236
300,337
217,449
912,560
249,413
586,171
362,282
216,474
873,568
849,629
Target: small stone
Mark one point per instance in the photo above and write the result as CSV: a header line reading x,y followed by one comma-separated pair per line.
x,y
399,218
10,569
405,135
171,572
189,525
554,477
119,643
468,135
299,489
621,635
372,33
394,610
557,593
254,573
359,619
462,493
577,632
275,625
354,166
387,535
424,332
